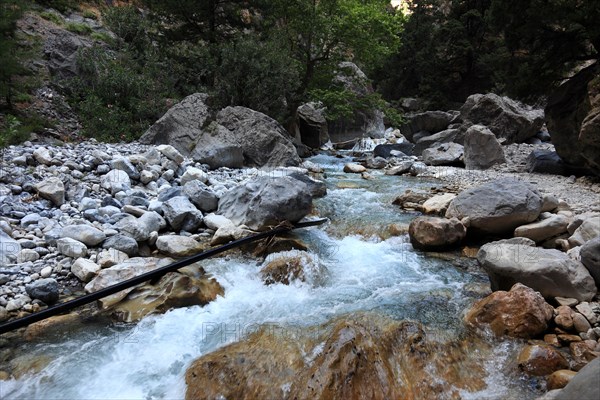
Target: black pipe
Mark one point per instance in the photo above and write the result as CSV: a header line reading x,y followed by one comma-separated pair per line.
x,y
156,274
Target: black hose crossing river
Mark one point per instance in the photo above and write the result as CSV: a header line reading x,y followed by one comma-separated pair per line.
x,y
157,273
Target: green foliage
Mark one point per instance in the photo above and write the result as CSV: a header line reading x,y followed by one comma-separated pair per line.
x,y
62,6
89,14
256,75
118,98
129,25
15,129
102,37
79,28
12,53
52,17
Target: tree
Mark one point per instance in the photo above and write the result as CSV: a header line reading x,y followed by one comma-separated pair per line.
x,y
10,12
543,41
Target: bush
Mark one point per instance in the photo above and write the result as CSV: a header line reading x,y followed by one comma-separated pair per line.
x,y
129,25
89,14
52,17
78,28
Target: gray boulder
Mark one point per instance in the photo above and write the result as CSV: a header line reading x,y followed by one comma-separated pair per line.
x,y
311,125
429,121
497,207
266,201
545,162
262,139
116,181
182,214
220,155
199,194
482,149
385,150
550,272
124,243
86,234
126,166
9,249
71,248
427,141
588,230
61,49
506,118
443,154
45,290
182,124
52,189
545,229
590,257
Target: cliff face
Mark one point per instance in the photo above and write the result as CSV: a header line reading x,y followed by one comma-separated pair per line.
x,y
573,118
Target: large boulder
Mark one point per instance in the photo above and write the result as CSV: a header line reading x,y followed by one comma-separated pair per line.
x,y
236,136
391,150
61,49
588,230
431,233
311,125
545,162
481,148
497,207
550,272
182,214
262,139
573,118
590,257
368,122
545,229
506,118
429,121
520,312
46,290
171,291
266,201
86,234
9,249
444,154
52,189
360,356
425,142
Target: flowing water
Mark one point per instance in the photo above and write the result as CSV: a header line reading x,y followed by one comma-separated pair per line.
x,y
362,273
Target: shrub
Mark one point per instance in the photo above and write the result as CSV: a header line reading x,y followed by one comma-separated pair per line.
x,y
79,28
52,17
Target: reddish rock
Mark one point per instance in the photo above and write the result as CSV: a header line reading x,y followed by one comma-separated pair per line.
x,y
582,354
552,340
564,319
541,360
559,379
521,312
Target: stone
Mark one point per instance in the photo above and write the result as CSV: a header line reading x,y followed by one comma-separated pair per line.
x,y
481,148
227,233
541,360
46,272
386,150
43,156
316,188
588,230
399,169
193,174
111,256
584,385
116,181
565,301
85,270
559,379
52,189
564,318
86,234
497,207
214,221
506,118
123,243
544,229
311,125
45,290
61,49
55,325
545,162
199,194
9,249
438,203
444,154
587,311
141,228
572,119
178,246
125,165
171,291
171,153
551,272
429,121
181,214
288,266
131,268
520,313
27,255
550,203
590,257
354,168
376,162
431,233
71,248
435,140
580,323
265,201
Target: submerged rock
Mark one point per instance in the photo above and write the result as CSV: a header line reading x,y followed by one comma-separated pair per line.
x,y
289,266
431,233
521,313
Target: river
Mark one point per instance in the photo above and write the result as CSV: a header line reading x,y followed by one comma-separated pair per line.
x,y
363,269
